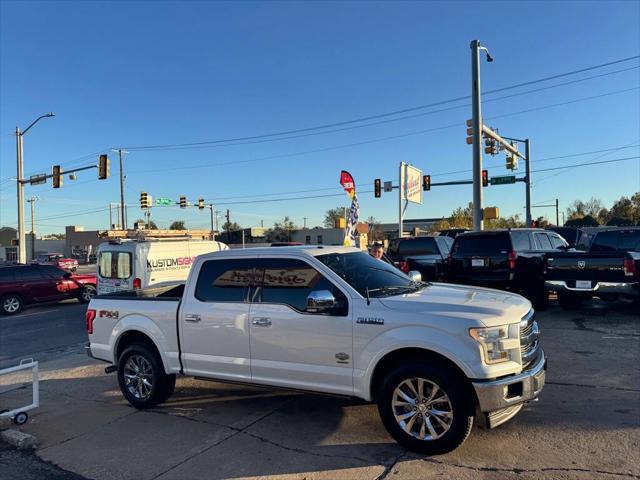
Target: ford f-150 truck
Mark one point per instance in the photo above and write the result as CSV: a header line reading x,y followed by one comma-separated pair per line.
x,y
332,320
609,269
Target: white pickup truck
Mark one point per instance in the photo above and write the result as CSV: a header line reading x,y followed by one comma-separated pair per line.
x,y
333,320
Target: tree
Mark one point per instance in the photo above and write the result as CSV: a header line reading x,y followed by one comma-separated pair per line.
x,y
624,209
541,222
177,225
231,227
586,221
281,231
592,207
332,215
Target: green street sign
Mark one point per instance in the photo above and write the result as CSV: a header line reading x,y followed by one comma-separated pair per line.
x,y
163,201
503,180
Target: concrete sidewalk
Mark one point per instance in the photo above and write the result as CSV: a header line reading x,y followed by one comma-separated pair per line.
x,y
581,428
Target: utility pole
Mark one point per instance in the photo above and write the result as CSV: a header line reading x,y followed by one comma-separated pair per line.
x,y
557,214
211,210
123,220
304,220
477,135
32,201
527,180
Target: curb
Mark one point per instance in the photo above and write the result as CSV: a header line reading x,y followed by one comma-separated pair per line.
x,y
18,439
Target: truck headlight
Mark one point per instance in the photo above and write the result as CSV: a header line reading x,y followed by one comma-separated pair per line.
x,y
492,341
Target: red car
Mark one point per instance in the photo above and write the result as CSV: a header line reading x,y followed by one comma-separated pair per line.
x,y
57,260
22,285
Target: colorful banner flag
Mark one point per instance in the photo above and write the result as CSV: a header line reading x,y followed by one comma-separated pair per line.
x,y
351,230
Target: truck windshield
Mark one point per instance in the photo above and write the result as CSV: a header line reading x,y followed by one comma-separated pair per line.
x,y
363,272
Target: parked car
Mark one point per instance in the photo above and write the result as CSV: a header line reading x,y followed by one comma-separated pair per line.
x,y
332,320
427,255
609,269
22,285
510,259
57,260
575,237
452,232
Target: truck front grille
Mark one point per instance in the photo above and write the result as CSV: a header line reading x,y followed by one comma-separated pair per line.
x,y
529,347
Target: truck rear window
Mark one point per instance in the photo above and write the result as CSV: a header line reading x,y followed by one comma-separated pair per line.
x,y
617,240
481,244
115,265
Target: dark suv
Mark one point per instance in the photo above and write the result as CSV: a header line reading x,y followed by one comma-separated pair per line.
x,y
505,259
427,255
26,284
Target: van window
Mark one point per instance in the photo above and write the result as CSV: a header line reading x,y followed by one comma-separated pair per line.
x,y
115,265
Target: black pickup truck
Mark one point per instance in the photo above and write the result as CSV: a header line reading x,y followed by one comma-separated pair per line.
x,y
427,255
609,269
505,259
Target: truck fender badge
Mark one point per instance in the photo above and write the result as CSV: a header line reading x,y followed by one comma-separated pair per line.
x,y
370,320
581,263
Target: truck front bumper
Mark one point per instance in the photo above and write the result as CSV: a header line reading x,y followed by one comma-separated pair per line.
x,y
620,288
500,400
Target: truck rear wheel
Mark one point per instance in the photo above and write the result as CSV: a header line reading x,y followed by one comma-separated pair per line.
x,y
425,408
142,378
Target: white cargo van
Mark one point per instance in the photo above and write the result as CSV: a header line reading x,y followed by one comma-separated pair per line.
x,y
130,264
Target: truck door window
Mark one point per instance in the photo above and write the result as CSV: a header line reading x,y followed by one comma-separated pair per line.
x,y
290,281
224,281
115,265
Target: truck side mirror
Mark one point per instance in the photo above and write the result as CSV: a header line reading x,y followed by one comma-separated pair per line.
x,y
321,301
415,276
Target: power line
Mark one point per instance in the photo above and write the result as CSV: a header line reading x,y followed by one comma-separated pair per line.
x,y
382,115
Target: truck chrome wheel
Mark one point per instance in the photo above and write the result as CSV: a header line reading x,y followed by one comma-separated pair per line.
x,y
422,409
138,377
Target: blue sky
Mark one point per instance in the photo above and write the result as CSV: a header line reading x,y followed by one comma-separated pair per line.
x,y
154,73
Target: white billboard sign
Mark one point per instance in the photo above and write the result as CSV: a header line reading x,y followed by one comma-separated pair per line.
x,y
411,181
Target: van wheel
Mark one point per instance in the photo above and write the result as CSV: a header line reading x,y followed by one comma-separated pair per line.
x,y
425,408
142,378
569,301
11,304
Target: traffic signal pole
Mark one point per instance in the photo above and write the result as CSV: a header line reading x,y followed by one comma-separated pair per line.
x,y
527,166
477,135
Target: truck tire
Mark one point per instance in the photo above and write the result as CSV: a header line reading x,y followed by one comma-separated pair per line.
x,y
408,400
142,378
569,301
11,304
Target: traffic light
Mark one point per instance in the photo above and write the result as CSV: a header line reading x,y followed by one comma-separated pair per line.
x,y
512,161
426,182
200,203
103,167
469,132
144,200
485,178
491,146
183,202
57,176
377,188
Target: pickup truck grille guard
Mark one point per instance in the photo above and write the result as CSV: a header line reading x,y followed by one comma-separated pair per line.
x,y
529,346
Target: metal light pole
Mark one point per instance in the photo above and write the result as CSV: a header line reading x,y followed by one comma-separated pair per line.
x,y
527,182
477,132
22,250
32,201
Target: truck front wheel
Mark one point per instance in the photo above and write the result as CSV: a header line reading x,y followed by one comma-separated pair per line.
x,y
425,408
142,378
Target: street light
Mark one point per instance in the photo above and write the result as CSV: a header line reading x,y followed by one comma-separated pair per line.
x,y
22,251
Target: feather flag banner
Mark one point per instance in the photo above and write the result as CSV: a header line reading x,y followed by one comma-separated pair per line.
x,y
351,230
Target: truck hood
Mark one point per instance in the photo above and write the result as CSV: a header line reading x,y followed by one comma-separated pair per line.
x,y
490,307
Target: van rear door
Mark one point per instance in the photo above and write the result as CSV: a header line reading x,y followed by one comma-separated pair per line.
x,y
115,270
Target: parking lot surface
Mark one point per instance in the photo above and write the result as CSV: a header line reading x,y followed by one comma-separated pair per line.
x,y
585,425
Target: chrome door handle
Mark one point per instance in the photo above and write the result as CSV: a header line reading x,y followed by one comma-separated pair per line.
x,y
261,322
192,317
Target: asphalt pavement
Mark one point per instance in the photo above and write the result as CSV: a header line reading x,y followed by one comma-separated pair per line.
x,y
42,332
585,426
